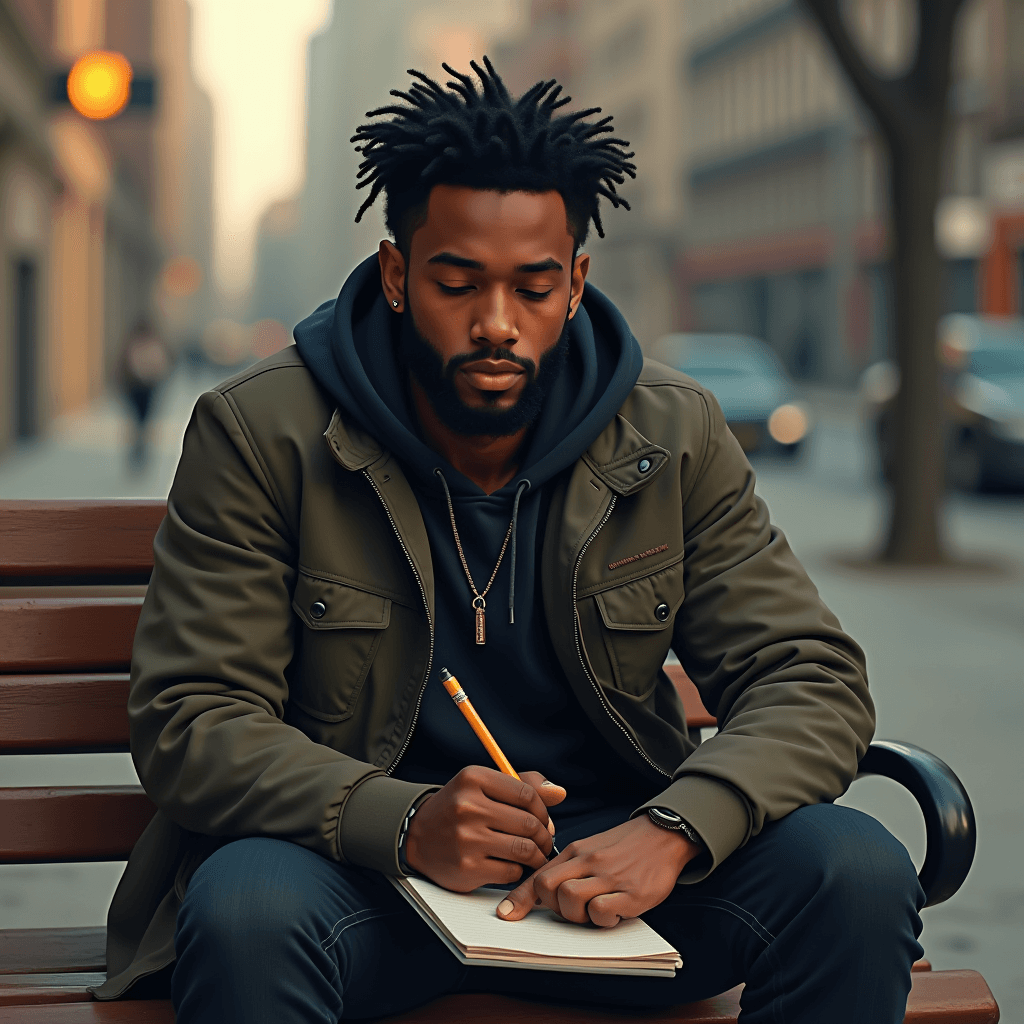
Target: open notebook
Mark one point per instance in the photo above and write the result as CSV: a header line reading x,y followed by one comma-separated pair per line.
x,y
470,928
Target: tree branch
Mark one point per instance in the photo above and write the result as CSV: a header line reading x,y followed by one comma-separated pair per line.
x,y
930,76
883,96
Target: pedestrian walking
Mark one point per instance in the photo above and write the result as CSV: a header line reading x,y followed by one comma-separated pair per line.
x,y
145,365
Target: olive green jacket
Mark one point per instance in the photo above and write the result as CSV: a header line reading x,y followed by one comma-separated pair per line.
x,y
251,717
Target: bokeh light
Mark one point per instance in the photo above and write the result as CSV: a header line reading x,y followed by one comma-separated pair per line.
x,y
99,84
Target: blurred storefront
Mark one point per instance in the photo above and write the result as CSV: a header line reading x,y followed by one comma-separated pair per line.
x,y
27,186
128,226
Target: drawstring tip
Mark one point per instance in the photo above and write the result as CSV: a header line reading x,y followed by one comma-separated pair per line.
x,y
511,617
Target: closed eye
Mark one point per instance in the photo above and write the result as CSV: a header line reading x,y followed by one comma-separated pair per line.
x,y
461,289
535,296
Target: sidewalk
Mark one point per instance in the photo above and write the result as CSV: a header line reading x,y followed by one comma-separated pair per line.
x,y
84,454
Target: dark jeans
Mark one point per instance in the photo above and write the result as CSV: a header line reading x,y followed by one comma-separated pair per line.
x,y
817,914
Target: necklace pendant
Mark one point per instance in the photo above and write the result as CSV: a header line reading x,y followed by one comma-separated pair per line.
x,y
481,631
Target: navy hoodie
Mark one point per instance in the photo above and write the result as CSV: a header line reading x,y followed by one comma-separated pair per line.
x,y
514,680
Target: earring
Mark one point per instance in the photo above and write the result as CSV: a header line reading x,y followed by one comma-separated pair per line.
x,y
394,302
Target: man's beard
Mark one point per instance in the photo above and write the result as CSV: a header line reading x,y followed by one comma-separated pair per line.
x,y
437,379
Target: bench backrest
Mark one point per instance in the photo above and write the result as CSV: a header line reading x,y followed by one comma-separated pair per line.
x,y
72,580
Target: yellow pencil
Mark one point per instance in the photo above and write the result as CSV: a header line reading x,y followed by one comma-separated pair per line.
x,y
457,694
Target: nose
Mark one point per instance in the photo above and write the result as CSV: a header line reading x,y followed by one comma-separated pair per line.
x,y
496,324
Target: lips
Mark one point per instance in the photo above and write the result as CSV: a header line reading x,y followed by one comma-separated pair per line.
x,y
492,374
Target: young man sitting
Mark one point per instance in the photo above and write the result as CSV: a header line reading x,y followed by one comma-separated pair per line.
x,y
466,462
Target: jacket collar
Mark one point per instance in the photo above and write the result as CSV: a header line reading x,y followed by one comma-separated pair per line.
x,y
621,457
353,448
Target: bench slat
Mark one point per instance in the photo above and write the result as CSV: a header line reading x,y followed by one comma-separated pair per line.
x,y
67,634
134,1011
29,989
52,825
45,950
696,715
63,713
953,997
79,537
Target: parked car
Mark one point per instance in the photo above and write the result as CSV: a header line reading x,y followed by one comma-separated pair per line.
x,y
983,380
756,394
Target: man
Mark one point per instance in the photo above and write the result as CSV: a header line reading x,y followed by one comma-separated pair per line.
x,y
466,463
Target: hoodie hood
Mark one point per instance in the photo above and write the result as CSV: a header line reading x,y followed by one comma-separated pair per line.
x,y
349,346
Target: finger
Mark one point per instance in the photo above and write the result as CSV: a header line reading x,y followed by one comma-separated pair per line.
x,y
609,909
516,822
574,894
519,902
514,792
518,850
549,879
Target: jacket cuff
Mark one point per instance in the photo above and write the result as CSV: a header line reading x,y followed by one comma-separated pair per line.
x,y
372,818
716,811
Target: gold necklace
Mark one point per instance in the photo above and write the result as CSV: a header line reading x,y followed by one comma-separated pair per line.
x,y
479,603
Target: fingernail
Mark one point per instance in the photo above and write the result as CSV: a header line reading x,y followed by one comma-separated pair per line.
x,y
551,827
553,785
505,907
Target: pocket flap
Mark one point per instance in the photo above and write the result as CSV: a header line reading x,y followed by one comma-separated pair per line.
x,y
326,604
647,604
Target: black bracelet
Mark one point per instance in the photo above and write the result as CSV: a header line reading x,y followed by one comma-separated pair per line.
x,y
403,835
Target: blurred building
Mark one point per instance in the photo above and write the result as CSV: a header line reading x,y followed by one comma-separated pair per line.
x,y
129,231
307,244
27,187
628,58
788,189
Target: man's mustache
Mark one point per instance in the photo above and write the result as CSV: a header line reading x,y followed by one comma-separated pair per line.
x,y
457,362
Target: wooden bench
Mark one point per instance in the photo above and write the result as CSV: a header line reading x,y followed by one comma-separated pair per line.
x,y
72,580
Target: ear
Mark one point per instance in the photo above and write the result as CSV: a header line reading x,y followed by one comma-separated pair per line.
x,y
580,267
392,275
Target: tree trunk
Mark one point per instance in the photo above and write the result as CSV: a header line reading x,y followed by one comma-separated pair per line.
x,y
915,529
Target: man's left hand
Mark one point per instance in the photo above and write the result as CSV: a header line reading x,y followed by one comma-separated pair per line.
x,y
619,873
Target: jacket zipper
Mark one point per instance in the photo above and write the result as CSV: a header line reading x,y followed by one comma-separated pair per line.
x,y
430,623
579,643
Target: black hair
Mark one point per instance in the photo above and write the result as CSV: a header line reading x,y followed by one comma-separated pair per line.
x,y
485,139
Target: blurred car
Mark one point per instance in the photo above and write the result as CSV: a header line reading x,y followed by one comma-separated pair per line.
x,y
746,376
983,379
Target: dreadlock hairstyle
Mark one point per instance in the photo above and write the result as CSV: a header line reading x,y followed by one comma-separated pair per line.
x,y
485,139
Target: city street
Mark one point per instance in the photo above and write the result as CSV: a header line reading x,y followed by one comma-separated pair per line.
x,y
945,653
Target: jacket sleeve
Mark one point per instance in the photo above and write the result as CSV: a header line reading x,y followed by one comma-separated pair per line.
x,y
771,662
209,682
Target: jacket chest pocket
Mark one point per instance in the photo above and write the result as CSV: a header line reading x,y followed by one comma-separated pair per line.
x,y
342,627
637,619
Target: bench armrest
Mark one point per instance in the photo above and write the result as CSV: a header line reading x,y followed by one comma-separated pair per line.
x,y
948,815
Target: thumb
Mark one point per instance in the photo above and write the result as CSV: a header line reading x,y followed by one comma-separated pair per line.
x,y
550,792
519,902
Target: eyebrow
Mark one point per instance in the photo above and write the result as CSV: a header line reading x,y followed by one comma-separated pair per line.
x,y
451,260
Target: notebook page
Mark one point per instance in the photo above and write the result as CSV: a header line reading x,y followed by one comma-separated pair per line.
x,y
471,919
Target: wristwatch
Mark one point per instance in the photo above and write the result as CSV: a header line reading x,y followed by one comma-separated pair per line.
x,y
664,818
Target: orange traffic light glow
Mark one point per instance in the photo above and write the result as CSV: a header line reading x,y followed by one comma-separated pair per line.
x,y
100,84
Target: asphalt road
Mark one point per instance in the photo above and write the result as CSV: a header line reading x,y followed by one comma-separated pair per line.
x,y
945,654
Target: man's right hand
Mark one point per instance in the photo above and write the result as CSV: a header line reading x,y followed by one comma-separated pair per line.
x,y
482,828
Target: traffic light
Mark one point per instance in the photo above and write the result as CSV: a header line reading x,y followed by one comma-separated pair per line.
x,y
101,84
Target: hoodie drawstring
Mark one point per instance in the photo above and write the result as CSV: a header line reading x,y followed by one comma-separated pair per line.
x,y
524,486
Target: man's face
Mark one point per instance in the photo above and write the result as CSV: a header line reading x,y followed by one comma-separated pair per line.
x,y
488,286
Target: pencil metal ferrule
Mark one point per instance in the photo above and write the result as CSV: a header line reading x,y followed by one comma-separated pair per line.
x,y
459,696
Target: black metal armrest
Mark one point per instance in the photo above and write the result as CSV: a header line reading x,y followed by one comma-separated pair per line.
x,y
948,815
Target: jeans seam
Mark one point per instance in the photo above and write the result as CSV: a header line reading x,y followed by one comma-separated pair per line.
x,y
351,921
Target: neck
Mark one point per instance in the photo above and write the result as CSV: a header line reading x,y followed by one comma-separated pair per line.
x,y
490,462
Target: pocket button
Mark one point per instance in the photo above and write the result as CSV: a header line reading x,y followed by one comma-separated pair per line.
x,y
661,613
644,465
318,609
